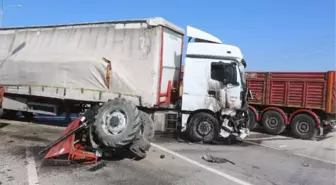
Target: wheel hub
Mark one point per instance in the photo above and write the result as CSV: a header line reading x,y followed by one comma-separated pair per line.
x,y
114,122
303,127
204,128
272,122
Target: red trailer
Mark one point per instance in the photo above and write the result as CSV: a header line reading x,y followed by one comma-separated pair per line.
x,y
301,101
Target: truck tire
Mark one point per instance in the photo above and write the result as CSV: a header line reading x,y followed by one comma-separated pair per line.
x,y
303,126
273,122
203,127
117,123
147,126
253,122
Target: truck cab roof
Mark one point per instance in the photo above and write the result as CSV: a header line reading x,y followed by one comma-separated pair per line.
x,y
209,46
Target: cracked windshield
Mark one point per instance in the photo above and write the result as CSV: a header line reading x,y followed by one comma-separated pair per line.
x,y
159,92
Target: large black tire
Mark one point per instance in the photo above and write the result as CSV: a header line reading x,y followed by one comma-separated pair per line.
x,y
128,116
252,122
273,122
303,126
203,127
147,126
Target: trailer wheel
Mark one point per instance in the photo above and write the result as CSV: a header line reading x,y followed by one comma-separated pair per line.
x,y
147,126
117,123
252,120
273,122
303,126
203,127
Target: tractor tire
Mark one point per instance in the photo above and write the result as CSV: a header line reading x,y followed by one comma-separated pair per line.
x,y
203,127
252,122
273,122
147,126
117,123
303,126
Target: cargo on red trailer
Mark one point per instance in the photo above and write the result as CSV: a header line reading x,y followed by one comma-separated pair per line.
x,y
304,102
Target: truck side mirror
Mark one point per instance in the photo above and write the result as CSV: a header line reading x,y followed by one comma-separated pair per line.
x,y
244,63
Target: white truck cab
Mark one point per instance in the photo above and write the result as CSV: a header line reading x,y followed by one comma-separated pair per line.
x,y
214,99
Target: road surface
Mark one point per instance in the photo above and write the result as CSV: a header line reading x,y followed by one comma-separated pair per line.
x,y
262,160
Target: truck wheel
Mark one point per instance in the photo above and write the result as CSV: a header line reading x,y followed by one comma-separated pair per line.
x,y
253,122
273,122
303,126
117,123
203,127
147,126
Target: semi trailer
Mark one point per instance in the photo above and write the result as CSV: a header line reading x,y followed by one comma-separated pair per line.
x,y
303,102
134,64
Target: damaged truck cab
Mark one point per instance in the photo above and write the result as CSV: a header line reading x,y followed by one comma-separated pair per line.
x,y
214,99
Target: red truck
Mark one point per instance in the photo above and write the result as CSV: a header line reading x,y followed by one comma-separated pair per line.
x,y
304,102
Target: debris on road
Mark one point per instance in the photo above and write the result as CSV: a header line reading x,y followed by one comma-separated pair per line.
x,y
97,167
162,156
213,159
305,165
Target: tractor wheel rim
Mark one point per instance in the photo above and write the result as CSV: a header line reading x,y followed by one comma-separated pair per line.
x,y
272,122
303,127
204,128
114,122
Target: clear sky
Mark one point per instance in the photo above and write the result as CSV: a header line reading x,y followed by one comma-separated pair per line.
x,y
274,35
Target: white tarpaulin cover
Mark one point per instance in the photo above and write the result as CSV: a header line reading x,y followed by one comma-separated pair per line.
x,y
71,57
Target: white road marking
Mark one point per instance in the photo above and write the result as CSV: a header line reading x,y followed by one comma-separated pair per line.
x,y
31,168
297,154
222,174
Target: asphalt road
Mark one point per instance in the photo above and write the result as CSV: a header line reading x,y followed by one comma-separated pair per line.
x,y
281,160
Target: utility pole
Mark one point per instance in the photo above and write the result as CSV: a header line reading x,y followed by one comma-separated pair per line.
x,y
3,9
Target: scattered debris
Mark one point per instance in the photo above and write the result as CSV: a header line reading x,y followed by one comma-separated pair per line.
x,y
10,178
10,141
213,159
97,167
305,165
162,156
256,167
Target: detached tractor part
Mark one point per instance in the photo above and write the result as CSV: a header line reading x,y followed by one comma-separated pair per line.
x,y
117,126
